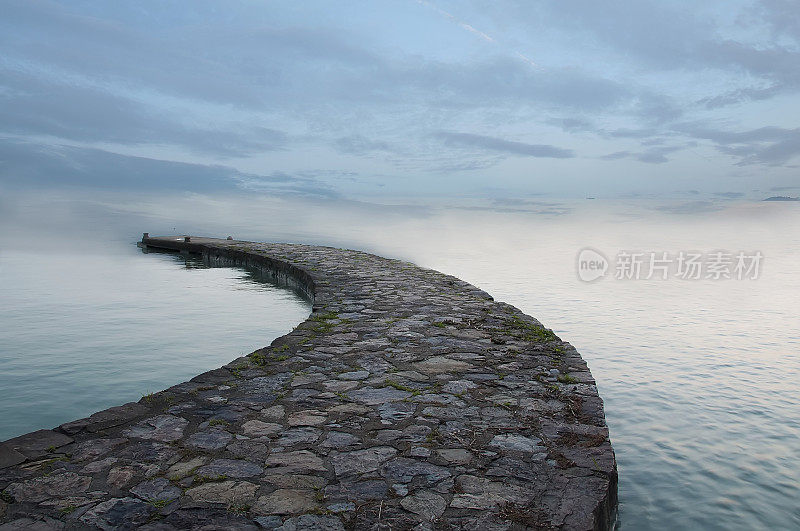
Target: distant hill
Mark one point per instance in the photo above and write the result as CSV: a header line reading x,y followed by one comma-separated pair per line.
x,y
782,198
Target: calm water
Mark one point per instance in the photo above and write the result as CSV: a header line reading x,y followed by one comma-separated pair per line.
x,y
86,331
701,379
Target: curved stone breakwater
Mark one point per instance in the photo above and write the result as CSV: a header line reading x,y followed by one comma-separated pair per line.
x,y
409,399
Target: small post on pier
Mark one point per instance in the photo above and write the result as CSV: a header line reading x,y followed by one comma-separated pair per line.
x,y
145,235
187,238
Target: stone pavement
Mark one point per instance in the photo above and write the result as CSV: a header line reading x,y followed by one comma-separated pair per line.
x,y
409,399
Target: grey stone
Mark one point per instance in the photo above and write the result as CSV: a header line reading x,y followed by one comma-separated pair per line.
x,y
403,470
394,412
273,412
118,513
299,462
184,468
301,435
517,443
108,418
37,443
426,504
97,466
9,456
159,489
41,523
479,493
310,522
39,489
94,448
361,461
372,396
341,507
441,364
268,522
458,456
306,418
293,481
286,501
224,492
209,440
458,387
357,491
233,468
256,428
340,439
164,428
354,375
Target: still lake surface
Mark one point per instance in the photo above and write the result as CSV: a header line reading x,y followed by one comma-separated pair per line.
x,y
83,332
701,378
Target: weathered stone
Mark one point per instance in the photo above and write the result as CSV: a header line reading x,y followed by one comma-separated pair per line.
x,y
232,468
97,466
517,443
9,456
119,477
94,448
37,443
228,493
403,470
268,522
42,488
159,489
306,418
441,364
340,439
357,491
256,428
118,513
355,409
184,468
293,481
372,396
394,412
479,493
294,436
354,375
310,522
108,418
209,440
458,456
164,428
361,461
286,501
299,462
42,523
273,412
426,504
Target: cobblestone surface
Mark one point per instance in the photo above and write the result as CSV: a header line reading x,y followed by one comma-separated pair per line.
x,y
408,400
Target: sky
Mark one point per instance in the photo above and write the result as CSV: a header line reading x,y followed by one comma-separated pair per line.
x,y
403,101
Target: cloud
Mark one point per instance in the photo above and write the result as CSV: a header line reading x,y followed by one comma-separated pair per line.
x,y
359,145
691,207
773,146
489,143
654,155
27,165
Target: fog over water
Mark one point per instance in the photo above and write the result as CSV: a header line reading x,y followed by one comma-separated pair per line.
x,y
699,377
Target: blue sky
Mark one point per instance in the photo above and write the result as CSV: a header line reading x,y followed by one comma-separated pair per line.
x,y
403,100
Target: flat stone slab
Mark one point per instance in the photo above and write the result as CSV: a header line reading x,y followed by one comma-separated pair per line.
x,y
409,399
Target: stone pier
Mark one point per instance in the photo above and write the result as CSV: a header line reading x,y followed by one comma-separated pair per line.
x,y
409,399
